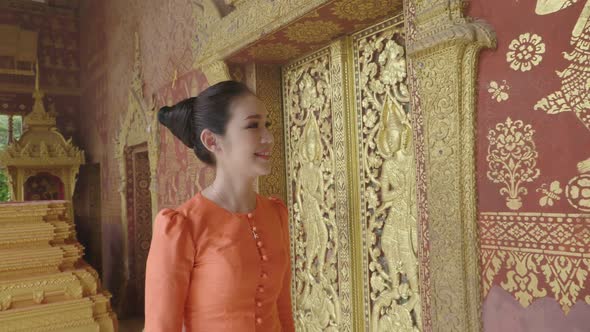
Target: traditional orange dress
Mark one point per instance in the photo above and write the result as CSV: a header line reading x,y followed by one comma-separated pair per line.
x,y
218,271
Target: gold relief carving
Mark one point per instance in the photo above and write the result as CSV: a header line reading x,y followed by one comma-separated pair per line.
x,y
306,100
526,250
512,157
313,31
499,91
525,52
442,49
316,174
388,209
360,10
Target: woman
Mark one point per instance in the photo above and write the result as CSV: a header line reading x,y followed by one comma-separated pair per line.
x,y
220,261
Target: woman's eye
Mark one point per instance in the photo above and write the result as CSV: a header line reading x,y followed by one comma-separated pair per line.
x,y
253,125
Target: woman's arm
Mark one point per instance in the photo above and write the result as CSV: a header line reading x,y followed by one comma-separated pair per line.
x,y
168,270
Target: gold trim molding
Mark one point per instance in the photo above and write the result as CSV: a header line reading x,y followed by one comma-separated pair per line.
x,y
442,47
216,71
140,125
242,26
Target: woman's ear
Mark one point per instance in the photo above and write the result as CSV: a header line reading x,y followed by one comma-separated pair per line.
x,y
209,140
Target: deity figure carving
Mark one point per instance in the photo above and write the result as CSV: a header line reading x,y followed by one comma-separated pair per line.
x,y
310,197
399,232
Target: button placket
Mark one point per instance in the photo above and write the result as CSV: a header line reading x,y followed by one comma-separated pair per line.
x,y
263,276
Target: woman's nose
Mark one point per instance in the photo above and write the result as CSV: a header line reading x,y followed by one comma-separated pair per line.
x,y
267,137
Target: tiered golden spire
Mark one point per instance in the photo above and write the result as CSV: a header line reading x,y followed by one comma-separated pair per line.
x,y
39,117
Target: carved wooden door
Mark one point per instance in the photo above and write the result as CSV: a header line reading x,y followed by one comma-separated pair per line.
x,y
351,184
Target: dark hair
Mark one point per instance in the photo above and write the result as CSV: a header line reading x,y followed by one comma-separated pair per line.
x,y
209,110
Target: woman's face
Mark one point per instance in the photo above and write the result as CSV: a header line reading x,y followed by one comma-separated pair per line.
x,y
247,144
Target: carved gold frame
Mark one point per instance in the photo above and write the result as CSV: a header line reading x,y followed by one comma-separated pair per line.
x,y
138,126
442,47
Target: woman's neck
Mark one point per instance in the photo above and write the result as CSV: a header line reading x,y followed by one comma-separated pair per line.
x,y
233,193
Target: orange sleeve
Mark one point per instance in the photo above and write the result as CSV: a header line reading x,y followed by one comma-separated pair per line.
x,y
284,301
168,270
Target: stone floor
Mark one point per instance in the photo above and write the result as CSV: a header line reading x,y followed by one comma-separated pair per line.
x,y
131,325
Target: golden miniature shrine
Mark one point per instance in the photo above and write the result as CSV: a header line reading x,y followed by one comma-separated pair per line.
x,y
42,164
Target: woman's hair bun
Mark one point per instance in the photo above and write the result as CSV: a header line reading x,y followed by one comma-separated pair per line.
x,y
178,119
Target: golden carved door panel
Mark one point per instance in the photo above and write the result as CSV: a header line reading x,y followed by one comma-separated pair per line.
x,y
351,184
387,175
314,108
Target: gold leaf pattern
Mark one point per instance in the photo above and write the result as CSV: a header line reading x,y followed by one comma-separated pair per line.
x,y
534,249
499,91
512,157
313,31
273,52
525,52
360,10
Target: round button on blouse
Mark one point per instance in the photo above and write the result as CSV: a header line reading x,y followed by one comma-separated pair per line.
x,y
250,215
265,258
259,244
264,275
259,304
259,321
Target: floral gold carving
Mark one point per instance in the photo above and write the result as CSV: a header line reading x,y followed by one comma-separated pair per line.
x,y
512,159
443,46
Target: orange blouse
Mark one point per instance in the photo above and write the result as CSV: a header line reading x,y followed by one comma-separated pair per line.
x,y
206,268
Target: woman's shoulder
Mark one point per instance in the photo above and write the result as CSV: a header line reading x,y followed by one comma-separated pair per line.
x,y
277,201
277,204
189,212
